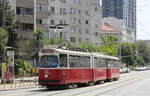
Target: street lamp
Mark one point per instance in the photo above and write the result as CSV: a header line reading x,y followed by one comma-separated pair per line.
x,y
58,28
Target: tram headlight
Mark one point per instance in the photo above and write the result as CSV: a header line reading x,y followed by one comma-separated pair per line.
x,y
46,76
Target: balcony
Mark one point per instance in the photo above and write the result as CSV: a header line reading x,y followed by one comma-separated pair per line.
x,y
25,3
25,19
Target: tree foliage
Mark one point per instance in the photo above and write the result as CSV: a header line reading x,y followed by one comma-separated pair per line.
x,y
143,50
22,67
109,45
10,24
3,39
86,45
57,41
128,53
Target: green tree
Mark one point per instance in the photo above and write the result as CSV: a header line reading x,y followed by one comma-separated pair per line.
x,y
143,50
3,39
39,37
87,46
22,67
57,41
10,24
109,45
128,54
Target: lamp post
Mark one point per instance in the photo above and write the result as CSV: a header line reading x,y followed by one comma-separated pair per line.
x,y
34,15
57,27
4,26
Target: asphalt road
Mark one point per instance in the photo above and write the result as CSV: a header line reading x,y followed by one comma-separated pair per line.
x,y
130,84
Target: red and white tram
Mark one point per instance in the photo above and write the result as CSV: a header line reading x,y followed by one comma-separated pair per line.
x,y
63,67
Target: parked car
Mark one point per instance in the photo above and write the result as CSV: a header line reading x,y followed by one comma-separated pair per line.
x,y
142,68
124,70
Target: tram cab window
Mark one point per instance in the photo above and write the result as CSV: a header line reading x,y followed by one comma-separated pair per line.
x,y
48,62
63,60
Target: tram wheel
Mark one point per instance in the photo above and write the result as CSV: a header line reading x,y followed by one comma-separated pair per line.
x,y
91,83
102,82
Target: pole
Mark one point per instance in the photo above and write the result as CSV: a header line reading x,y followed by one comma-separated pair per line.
x,y
34,15
4,26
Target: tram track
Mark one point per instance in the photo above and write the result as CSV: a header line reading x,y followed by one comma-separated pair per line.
x,y
118,85
130,81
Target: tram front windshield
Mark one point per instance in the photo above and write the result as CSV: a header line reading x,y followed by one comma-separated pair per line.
x,y
49,62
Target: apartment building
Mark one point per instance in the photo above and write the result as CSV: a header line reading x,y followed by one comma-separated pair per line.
x,y
121,9
82,20
31,16
116,27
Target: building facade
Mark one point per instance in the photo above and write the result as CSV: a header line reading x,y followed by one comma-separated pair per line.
x,y
81,17
118,29
31,15
121,9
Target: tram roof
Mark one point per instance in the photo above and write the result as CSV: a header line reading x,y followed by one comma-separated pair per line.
x,y
72,52
105,56
84,54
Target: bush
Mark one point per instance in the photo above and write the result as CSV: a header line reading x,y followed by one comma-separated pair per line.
x,y
22,67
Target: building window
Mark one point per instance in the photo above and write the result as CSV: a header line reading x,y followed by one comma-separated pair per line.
x,y
86,12
96,25
86,22
87,31
39,21
63,11
79,12
52,9
63,1
80,40
62,22
87,39
72,10
72,39
79,21
42,8
72,1
96,34
24,11
52,22
96,9
73,29
72,19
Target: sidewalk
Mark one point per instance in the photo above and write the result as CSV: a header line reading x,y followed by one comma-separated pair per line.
x,y
24,85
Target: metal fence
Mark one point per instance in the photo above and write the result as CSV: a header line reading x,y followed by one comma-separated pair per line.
x,y
23,82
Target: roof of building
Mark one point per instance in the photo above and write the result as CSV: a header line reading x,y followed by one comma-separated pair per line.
x,y
107,27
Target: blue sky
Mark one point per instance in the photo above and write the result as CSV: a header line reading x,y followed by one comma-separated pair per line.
x,y
143,19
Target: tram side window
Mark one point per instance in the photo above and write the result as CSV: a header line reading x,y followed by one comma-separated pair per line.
x,y
109,65
103,64
77,61
95,62
74,61
63,60
87,62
